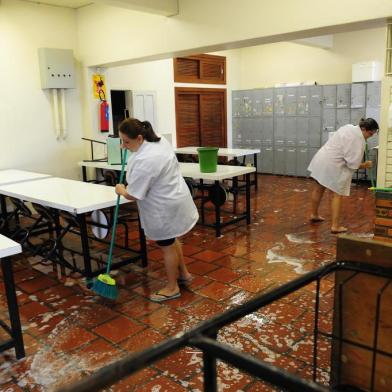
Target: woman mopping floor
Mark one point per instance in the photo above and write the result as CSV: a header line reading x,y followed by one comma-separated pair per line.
x,y
334,164
166,207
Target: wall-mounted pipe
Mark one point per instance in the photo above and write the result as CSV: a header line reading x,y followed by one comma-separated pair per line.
x,y
63,113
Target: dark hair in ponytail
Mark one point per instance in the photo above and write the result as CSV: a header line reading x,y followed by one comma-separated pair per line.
x,y
131,127
369,124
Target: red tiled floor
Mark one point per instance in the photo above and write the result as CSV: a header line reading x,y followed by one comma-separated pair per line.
x,y
70,332
118,329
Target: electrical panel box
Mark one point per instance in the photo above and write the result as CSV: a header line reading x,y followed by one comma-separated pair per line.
x,y
57,68
368,71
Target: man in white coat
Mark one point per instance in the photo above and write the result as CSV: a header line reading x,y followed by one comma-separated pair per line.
x,y
333,165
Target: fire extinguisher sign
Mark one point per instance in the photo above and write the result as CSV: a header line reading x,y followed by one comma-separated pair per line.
x,y
99,87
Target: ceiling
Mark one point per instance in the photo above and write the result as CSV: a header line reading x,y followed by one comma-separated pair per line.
x,y
64,3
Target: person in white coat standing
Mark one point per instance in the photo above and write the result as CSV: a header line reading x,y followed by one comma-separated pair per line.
x,y
166,207
333,165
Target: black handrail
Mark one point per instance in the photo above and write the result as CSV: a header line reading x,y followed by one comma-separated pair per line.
x,y
203,337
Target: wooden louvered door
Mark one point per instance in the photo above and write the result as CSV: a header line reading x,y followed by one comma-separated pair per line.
x,y
201,117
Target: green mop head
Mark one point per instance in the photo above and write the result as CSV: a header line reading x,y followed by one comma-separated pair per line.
x,y
105,286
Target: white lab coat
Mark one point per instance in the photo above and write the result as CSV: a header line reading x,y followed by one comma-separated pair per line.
x,y
166,207
334,164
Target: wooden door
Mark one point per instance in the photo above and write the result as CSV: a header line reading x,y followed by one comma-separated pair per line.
x,y
201,117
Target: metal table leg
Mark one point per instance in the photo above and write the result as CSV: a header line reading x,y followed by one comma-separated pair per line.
x,y
247,176
217,216
255,165
13,309
85,245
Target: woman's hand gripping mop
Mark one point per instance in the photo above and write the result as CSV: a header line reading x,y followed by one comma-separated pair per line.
x,y
373,187
105,285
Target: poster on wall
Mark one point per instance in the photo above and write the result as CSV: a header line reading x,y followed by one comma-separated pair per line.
x,y
99,87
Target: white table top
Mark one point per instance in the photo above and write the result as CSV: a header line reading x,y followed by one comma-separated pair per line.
x,y
67,195
222,152
13,176
223,172
8,247
100,165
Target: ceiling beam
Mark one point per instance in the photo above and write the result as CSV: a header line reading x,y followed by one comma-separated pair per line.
x,y
160,7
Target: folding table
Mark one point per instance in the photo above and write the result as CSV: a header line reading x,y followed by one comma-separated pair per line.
x,y
9,248
75,197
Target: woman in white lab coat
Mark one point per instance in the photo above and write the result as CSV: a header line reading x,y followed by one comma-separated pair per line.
x,y
333,166
166,207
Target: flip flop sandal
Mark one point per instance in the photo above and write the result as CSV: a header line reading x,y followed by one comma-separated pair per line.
x,y
316,220
157,297
339,231
185,282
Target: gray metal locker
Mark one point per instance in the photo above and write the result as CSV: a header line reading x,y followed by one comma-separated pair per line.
x,y
279,160
302,162
247,103
256,130
290,131
303,131
267,133
373,94
247,132
329,96
257,102
267,159
343,99
290,101
236,103
358,95
342,117
291,161
329,120
303,96
311,153
315,100
314,132
279,101
268,102
279,131
357,114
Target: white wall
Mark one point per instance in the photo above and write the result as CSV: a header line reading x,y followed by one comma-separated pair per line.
x,y
26,130
266,65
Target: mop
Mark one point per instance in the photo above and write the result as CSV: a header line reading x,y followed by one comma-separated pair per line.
x,y
105,285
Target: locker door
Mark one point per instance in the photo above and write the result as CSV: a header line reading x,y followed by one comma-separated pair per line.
x,y
267,160
267,130
329,96
290,130
290,101
279,133
358,95
343,96
315,100
311,153
257,102
236,103
314,131
279,160
236,127
291,164
302,162
247,130
238,130
329,124
256,132
342,117
247,103
279,101
373,94
357,114
303,95
268,102
302,131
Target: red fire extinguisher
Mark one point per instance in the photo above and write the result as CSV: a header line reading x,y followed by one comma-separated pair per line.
x,y
104,116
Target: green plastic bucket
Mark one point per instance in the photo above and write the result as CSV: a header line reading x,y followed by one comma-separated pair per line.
x,y
208,159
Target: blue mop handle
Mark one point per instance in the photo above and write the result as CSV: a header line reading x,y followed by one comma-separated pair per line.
x,y
123,161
